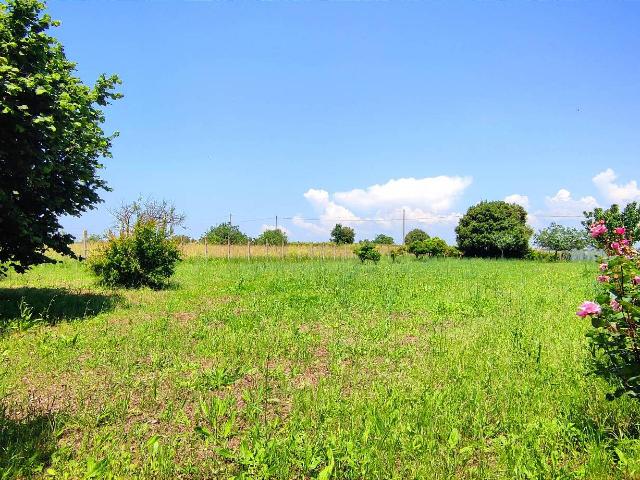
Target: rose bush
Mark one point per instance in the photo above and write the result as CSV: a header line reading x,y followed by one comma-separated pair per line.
x,y
615,314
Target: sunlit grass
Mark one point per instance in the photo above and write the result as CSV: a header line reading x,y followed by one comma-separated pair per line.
x,y
432,369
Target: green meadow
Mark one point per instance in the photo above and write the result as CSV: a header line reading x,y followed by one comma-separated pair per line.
x,y
309,369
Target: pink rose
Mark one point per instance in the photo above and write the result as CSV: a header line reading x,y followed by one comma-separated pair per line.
x,y
615,246
615,306
620,230
603,278
597,229
588,308
603,267
636,280
624,241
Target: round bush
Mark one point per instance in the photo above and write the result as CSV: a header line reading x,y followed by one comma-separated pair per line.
x,y
145,257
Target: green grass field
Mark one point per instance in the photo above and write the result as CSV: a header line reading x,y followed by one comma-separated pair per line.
x,y
311,369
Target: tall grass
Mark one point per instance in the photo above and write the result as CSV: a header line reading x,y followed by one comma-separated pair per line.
x,y
430,369
292,251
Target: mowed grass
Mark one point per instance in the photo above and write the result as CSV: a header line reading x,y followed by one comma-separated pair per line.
x,y
311,369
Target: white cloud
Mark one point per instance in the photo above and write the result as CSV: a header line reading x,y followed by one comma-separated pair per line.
x,y
616,193
563,204
435,194
518,199
425,200
330,213
330,209
312,227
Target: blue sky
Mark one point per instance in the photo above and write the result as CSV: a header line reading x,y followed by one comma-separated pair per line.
x,y
360,109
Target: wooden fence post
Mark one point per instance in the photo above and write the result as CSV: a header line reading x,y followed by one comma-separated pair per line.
x,y
84,243
206,249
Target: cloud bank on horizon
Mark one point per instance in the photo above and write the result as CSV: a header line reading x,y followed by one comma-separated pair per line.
x,y
435,201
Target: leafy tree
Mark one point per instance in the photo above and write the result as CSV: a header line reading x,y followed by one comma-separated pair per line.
x,y
629,217
51,139
437,247
162,213
383,239
342,235
146,256
559,238
492,229
367,251
225,232
418,248
415,235
272,237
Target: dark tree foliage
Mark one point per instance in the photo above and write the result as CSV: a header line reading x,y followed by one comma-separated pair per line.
x,y
383,239
272,237
51,140
415,235
224,233
614,216
342,235
494,229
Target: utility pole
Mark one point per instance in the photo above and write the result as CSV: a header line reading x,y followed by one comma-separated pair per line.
x,y
403,217
276,222
229,240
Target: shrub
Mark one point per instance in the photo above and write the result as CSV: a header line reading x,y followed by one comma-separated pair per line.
x,y
433,247
494,229
367,251
397,252
539,255
272,237
615,315
145,257
560,240
452,251
342,235
225,233
415,235
383,239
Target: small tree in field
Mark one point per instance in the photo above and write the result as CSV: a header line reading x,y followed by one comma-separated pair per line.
x,y
51,138
146,256
342,235
367,251
272,237
433,247
559,238
415,235
225,233
383,239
